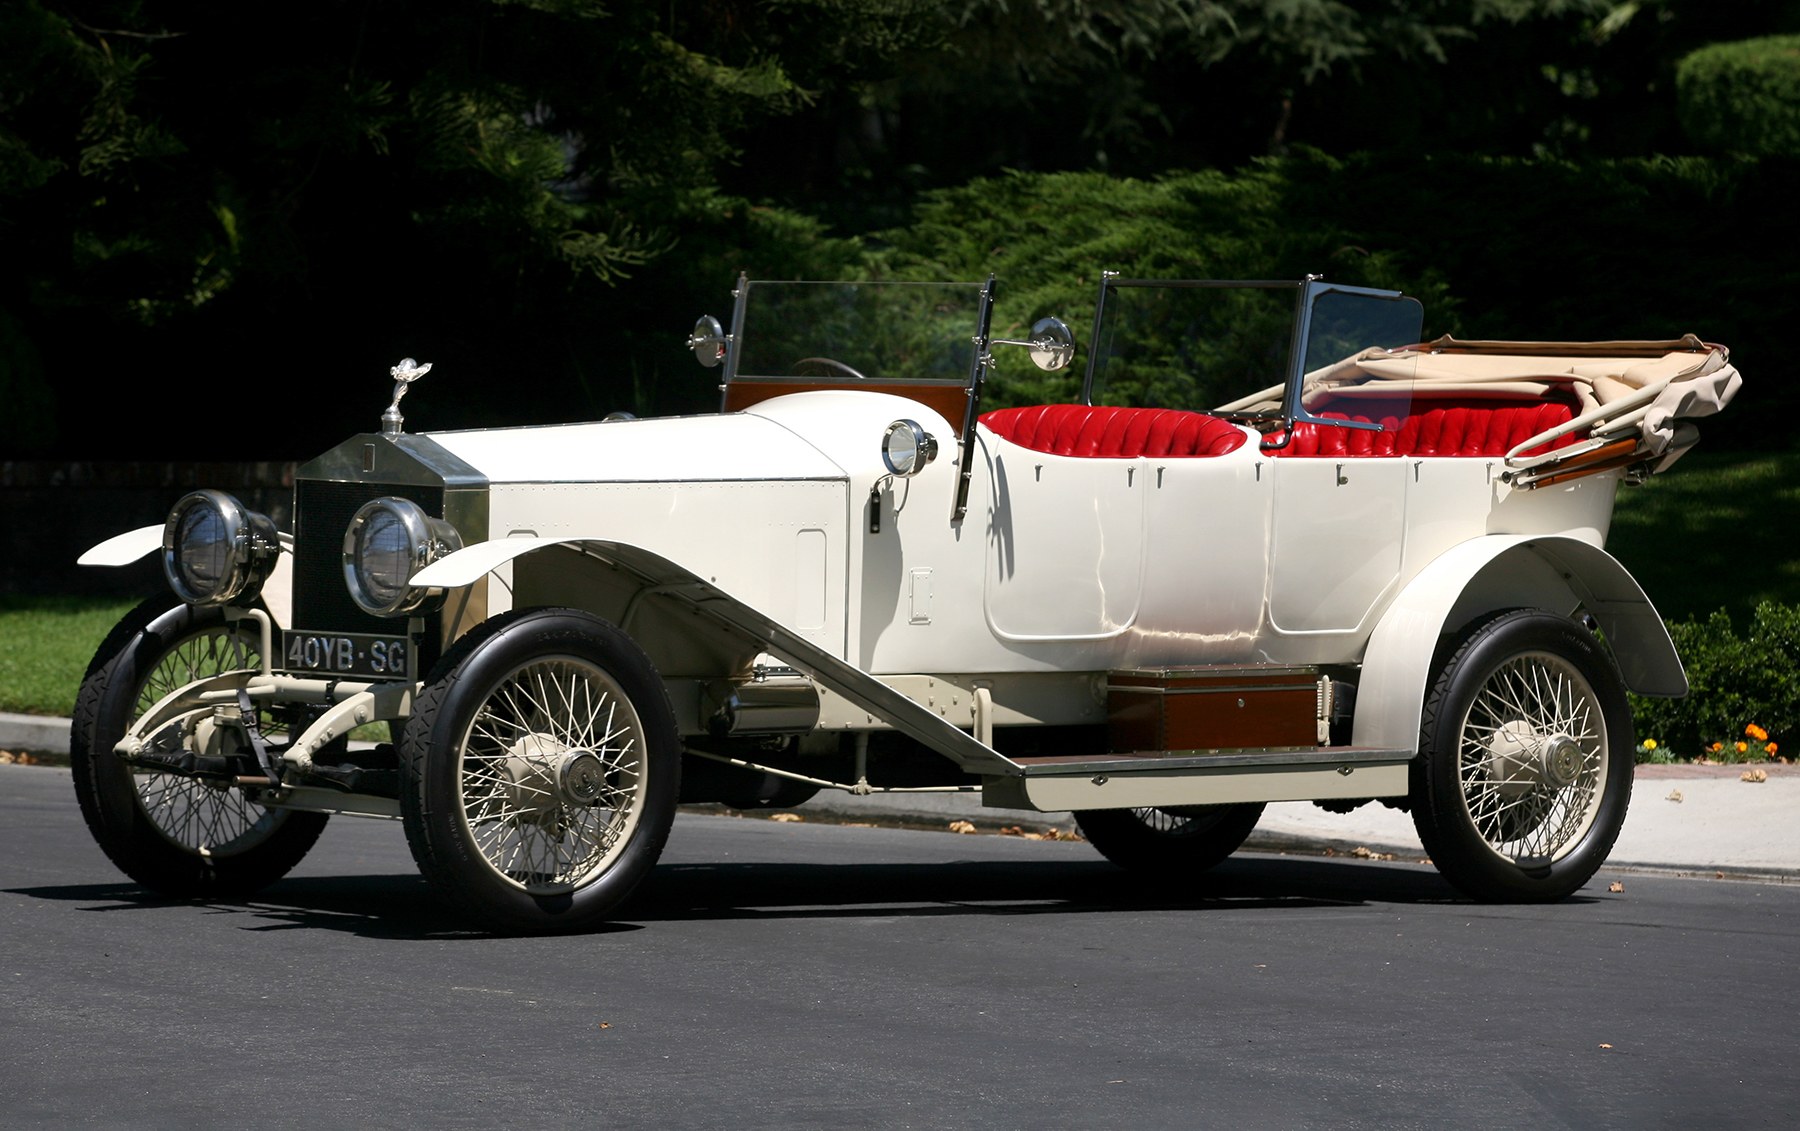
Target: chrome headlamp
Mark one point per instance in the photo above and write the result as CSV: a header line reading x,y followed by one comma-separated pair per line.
x,y
215,550
906,448
388,541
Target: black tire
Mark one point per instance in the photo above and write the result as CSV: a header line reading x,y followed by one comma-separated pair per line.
x,y
1524,769
513,810
173,834
1170,842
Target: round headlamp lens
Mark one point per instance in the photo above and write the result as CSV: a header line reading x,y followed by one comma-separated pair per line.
x,y
202,549
906,448
384,557
388,541
215,551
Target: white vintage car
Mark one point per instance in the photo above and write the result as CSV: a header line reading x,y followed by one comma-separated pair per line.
x,y
1273,548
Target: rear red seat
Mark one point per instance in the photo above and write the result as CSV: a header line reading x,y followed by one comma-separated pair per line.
x,y
1438,427
1111,432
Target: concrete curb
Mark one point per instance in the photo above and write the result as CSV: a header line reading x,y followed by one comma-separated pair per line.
x,y
34,734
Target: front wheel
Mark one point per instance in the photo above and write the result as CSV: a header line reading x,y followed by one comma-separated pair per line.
x,y
540,771
1523,775
181,836
1171,842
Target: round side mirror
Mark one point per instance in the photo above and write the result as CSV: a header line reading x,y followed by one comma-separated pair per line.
x,y
1052,345
708,341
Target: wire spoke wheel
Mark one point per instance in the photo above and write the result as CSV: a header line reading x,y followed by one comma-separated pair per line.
x,y
552,777
1519,790
540,770
1533,758
200,816
180,835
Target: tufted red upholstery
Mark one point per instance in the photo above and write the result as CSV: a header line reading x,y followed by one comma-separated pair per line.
x,y
1438,427
1110,432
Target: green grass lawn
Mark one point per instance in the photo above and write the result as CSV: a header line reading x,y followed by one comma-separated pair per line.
x,y
1714,532
45,646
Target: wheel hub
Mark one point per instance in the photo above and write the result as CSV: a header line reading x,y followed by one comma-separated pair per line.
x,y
1520,759
543,775
581,776
1562,760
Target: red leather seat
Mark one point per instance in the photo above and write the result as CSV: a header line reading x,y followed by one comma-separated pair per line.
x,y
1111,432
1437,427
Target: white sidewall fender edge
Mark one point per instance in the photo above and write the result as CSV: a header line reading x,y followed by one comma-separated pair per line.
x,y
1486,575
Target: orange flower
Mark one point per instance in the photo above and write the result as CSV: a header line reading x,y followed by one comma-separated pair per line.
x,y
1770,749
1717,746
1757,733
1742,747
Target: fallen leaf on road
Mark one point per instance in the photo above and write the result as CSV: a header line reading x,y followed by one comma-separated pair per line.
x,y
1754,775
1615,886
17,757
606,1024
962,826
1605,1046
786,817
1362,853
1674,795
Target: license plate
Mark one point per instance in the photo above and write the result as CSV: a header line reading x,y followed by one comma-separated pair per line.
x,y
346,654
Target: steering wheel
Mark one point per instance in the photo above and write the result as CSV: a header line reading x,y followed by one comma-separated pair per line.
x,y
825,367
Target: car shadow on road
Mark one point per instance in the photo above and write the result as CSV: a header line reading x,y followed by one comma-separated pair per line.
x,y
404,907
397,906
811,890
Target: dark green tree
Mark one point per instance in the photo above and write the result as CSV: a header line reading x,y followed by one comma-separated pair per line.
x,y
206,198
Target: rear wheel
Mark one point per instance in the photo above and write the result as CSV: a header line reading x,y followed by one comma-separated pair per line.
x,y
1523,775
178,835
1172,841
540,771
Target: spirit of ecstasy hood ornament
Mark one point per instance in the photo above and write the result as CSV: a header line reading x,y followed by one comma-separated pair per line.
x,y
404,375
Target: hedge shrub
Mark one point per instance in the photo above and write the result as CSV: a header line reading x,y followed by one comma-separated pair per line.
x,y
1738,679
1743,97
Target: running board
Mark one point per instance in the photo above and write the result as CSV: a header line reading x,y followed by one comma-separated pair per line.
x,y
1161,780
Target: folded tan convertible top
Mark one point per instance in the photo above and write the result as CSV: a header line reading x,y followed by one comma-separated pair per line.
x,y
1449,344
1648,391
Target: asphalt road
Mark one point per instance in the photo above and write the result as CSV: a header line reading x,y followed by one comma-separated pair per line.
x,y
806,975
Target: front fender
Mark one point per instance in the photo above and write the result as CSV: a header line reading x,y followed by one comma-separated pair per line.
x,y
756,630
123,549
1491,573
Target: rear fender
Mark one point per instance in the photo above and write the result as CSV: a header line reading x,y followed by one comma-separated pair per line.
x,y
1558,574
